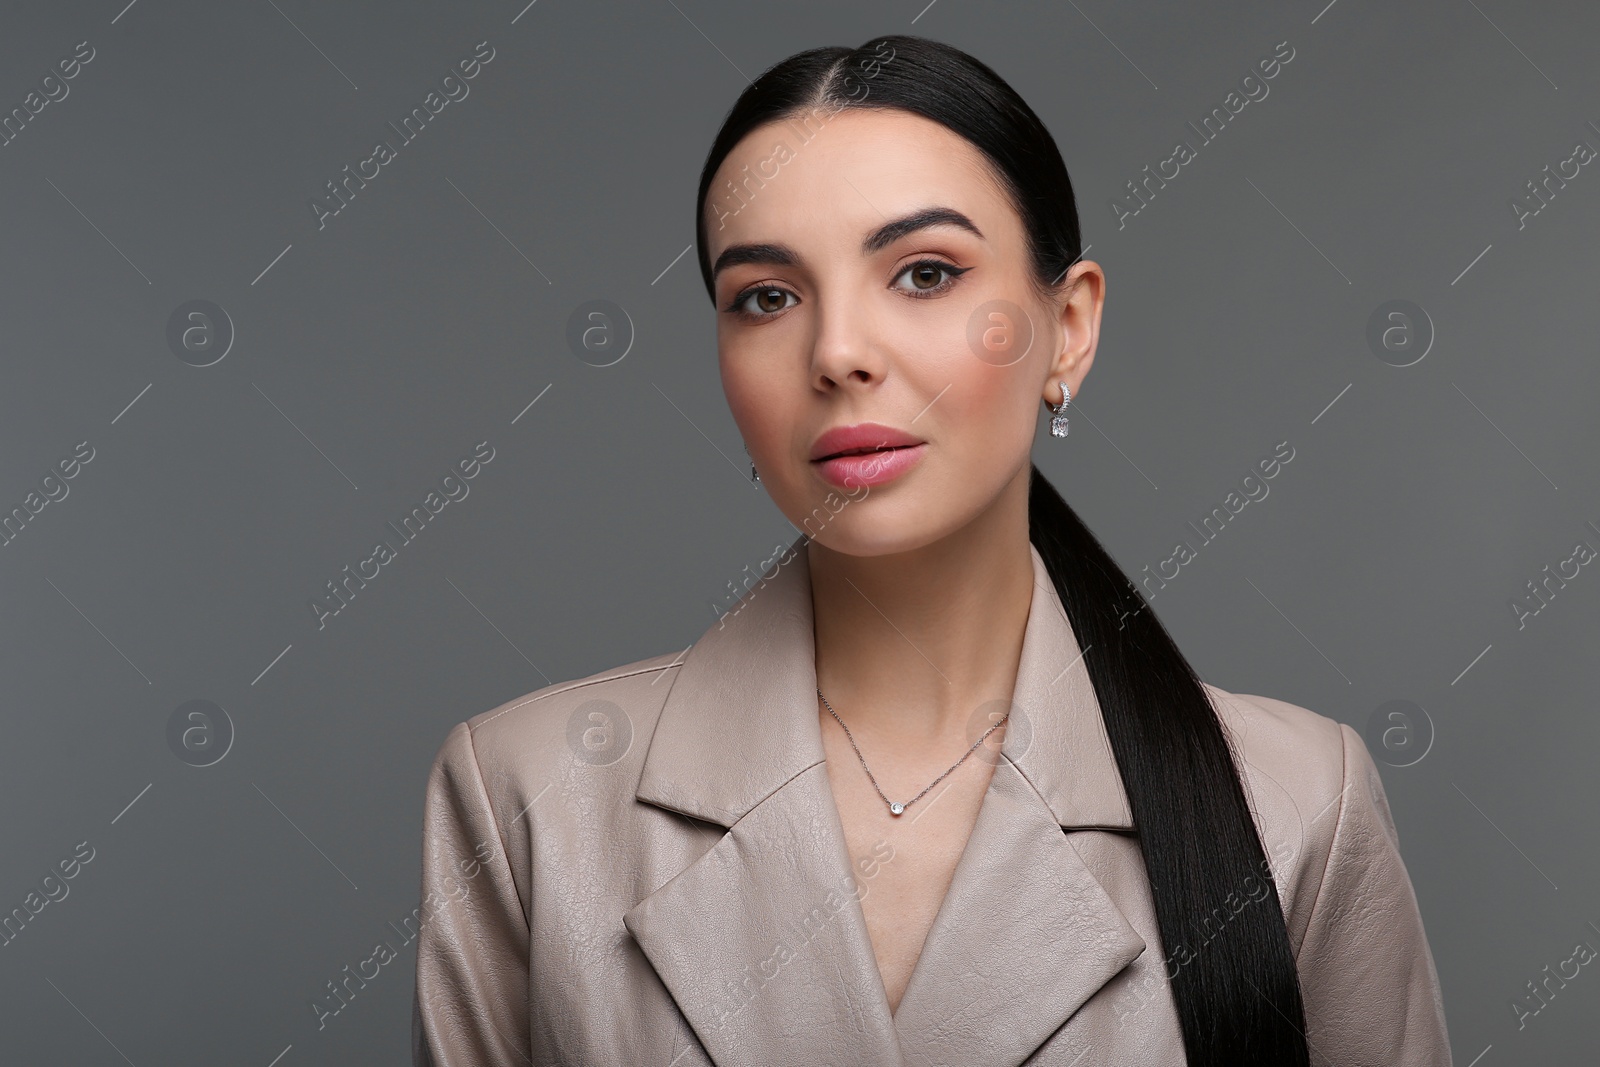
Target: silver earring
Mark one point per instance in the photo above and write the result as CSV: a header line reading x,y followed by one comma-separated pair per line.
x,y
1058,413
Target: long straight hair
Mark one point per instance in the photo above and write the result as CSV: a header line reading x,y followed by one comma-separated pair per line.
x,y
1238,996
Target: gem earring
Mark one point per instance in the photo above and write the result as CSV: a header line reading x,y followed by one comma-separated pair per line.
x,y
1058,413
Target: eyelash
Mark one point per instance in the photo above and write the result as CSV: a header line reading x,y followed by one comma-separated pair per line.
x,y
951,269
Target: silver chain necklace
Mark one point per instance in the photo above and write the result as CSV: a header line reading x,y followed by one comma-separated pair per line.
x,y
895,807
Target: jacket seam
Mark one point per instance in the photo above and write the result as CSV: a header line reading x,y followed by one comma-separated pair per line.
x,y
1344,785
494,824
569,687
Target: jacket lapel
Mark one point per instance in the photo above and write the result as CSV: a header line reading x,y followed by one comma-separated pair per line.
x,y
764,948
1026,933
1024,937
762,942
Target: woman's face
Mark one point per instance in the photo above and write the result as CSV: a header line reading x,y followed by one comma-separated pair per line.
x,y
830,316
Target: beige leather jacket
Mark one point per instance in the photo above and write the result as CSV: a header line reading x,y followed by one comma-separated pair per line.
x,y
645,867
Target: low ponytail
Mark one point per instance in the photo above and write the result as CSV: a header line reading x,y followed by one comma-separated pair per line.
x,y
1238,997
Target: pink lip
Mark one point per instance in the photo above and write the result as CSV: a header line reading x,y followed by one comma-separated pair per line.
x,y
870,468
861,436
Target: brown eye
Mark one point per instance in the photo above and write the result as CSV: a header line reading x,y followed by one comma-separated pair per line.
x,y
930,277
769,300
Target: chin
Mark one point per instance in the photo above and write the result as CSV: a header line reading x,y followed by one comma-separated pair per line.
x,y
887,529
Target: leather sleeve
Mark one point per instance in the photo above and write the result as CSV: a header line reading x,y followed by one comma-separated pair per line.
x,y
471,1004
1371,993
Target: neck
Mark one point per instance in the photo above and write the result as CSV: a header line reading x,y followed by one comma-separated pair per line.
x,y
911,646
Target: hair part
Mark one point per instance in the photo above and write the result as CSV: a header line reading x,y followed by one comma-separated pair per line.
x,y
826,79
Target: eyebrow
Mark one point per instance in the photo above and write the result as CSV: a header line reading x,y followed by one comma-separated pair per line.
x,y
780,255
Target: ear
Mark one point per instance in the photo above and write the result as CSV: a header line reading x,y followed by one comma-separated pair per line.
x,y
1078,324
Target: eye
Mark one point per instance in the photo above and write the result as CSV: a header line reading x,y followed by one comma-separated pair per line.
x,y
771,299
762,294
927,270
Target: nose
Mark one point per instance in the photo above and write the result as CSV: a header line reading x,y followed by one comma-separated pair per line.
x,y
845,354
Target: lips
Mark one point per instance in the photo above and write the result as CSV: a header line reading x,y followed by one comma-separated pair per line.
x,y
865,454
869,468
862,451
860,439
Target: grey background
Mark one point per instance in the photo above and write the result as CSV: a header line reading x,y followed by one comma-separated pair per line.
x,y
372,354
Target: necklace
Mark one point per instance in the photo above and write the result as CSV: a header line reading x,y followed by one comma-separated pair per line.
x,y
895,807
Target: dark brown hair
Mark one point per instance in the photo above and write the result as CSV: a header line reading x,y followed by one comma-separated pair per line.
x,y
1238,999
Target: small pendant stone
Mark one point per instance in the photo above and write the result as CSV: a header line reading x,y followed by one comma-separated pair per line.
x,y
1058,426
896,808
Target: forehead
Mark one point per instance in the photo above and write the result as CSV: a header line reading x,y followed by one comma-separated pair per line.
x,y
828,177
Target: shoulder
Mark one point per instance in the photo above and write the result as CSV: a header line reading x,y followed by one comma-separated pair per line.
x,y
1304,774
1370,986
603,719
1287,753
582,741
635,688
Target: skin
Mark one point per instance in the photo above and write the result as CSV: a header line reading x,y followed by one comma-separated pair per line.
x,y
921,587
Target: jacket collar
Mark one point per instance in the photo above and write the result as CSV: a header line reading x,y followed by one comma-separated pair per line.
x,y
741,718
760,937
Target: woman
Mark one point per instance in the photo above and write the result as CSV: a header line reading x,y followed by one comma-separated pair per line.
x,y
937,789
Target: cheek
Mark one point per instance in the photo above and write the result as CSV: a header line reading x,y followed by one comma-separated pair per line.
x,y
737,385
963,349
990,414
757,404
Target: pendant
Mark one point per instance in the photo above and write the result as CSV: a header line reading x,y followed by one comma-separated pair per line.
x,y
896,808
